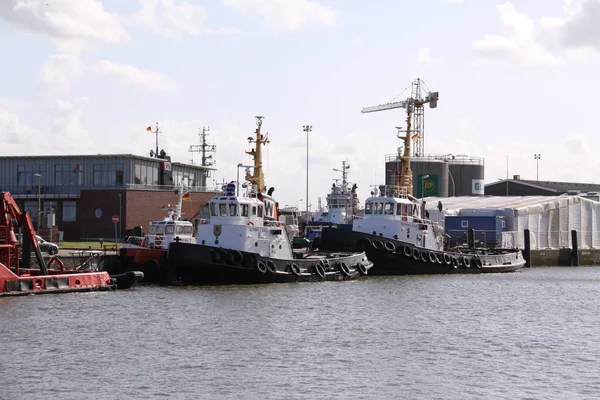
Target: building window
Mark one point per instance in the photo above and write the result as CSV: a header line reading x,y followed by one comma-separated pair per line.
x,y
145,174
69,211
68,174
26,175
464,224
110,174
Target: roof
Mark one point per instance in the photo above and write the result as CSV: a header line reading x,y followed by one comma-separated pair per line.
x,y
496,202
130,156
558,187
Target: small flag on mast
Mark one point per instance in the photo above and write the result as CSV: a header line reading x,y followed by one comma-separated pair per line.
x,y
149,129
415,136
186,196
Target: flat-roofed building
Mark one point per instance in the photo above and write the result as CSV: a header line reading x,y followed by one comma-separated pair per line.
x,y
82,193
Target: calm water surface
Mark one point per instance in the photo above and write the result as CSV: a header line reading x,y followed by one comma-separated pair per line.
x,y
527,335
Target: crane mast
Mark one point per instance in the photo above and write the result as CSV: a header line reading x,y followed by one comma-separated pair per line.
x,y
414,130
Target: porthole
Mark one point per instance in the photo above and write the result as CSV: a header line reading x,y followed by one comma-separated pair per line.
x,y
98,213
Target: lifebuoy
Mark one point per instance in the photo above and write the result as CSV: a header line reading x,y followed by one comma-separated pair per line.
x,y
319,270
432,258
251,223
378,244
389,246
361,268
416,254
295,269
271,266
344,268
261,267
158,240
407,251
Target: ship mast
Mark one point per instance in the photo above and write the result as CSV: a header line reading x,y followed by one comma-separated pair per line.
x,y
257,178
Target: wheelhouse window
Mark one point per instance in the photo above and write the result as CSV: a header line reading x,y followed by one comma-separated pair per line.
x,y
260,211
170,229
233,210
368,208
183,230
213,210
378,208
244,209
254,211
223,210
388,209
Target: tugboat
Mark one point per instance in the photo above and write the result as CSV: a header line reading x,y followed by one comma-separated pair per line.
x,y
397,235
150,255
17,278
342,202
244,242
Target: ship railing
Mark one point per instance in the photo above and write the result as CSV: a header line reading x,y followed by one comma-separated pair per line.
x,y
390,191
449,158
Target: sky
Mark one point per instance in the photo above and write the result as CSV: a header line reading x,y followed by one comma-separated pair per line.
x,y
514,79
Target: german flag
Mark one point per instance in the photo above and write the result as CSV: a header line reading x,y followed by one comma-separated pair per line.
x,y
149,129
415,136
186,196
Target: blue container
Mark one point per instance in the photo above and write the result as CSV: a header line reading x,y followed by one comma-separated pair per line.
x,y
487,229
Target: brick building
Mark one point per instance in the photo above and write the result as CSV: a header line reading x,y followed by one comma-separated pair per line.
x,y
82,193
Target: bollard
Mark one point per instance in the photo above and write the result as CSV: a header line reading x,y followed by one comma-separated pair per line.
x,y
527,249
471,238
574,249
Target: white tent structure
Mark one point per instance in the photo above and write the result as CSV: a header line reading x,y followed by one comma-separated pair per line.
x,y
550,219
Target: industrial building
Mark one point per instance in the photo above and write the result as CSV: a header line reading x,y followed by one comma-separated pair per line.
x,y
500,221
522,187
441,175
78,197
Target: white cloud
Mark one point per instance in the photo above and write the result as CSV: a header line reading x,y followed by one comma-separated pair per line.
x,y
286,14
66,122
16,135
547,40
521,45
60,71
424,56
173,19
577,145
72,25
130,75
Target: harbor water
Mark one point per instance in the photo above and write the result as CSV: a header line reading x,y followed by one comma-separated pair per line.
x,y
526,335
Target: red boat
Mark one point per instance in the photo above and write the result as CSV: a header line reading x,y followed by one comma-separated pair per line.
x,y
18,278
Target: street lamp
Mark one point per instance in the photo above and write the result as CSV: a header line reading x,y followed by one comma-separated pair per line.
x,y
39,210
423,186
537,162
307,129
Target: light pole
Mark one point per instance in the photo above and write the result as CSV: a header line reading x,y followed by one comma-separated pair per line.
x,y
537,162
39,210
423,186
307,129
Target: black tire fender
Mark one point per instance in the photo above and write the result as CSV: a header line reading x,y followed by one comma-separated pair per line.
x,y
295,269
271,266
319,270
261,267
344,269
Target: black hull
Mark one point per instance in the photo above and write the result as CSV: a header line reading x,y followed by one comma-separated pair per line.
x,y
394,257
194,264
